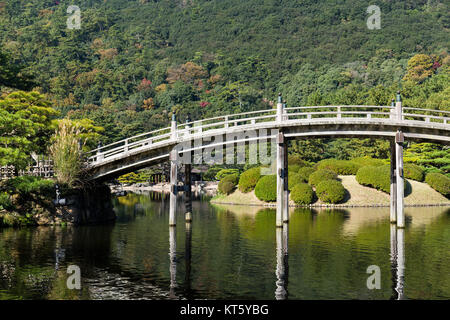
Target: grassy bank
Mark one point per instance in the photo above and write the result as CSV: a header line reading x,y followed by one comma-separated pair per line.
x,y
416,194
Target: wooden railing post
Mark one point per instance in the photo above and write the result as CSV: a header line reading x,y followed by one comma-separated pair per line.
x,y
393,110
173,127
398,106
226,122
280,109
339,115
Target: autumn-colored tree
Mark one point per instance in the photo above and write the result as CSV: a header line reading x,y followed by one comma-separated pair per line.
x,y
189,73
420,67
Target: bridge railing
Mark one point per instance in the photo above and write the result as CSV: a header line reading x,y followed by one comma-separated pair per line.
x,y
222,124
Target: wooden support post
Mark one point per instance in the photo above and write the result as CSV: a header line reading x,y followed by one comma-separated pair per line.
x,y
399,139
173,187
393,197
280,272
280,179
188,191
285,182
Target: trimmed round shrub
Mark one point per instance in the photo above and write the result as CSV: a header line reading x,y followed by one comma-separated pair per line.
x,y
295,159
266,188
375,177
305,172
343,167
439,182
225,172
302,193
294,179
321,175
294,168
228,183
249,179
414,172
330,191
367,161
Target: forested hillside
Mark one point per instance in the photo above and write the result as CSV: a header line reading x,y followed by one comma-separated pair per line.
x,y
134,63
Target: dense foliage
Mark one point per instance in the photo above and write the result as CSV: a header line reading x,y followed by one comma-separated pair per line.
x,y
414,172
375,177
302,193
321,175
330,191
341,167
225,172
439,182
266,188
228,183
249,179
304,173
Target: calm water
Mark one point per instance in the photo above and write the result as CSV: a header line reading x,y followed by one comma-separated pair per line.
x,y
231,252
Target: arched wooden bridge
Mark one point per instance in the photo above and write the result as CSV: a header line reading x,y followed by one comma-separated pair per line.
x,y
394,122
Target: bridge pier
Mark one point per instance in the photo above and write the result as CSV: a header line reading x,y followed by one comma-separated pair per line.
x,y
282,181
393,198
399,139
173,187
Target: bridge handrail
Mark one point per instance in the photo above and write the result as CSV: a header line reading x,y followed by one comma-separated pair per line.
x,y
227,121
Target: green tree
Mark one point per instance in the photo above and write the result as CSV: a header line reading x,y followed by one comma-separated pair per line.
x,y
25,127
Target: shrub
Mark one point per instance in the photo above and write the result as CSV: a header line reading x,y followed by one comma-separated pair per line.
x,y
225,172
304,173
249,179
414,172
266,188
321,175
5,201
375,177
297,160
343,167
330,191
294,168
439,182
228,183
27,185
294,178
302,193
367,161
66,153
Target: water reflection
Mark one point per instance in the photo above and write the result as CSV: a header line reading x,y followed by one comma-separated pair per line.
x,y
173,260
230,253
282,270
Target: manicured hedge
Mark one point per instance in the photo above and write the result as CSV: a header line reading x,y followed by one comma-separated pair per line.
x,y
330,191
266,188
414,172
342,167
439,182
294,168
228,183
225,172
249,179
302,193
294,179
366,161
305,172
321,175
297,160
375,177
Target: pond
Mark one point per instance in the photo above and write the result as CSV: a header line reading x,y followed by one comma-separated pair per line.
x,y
231,252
